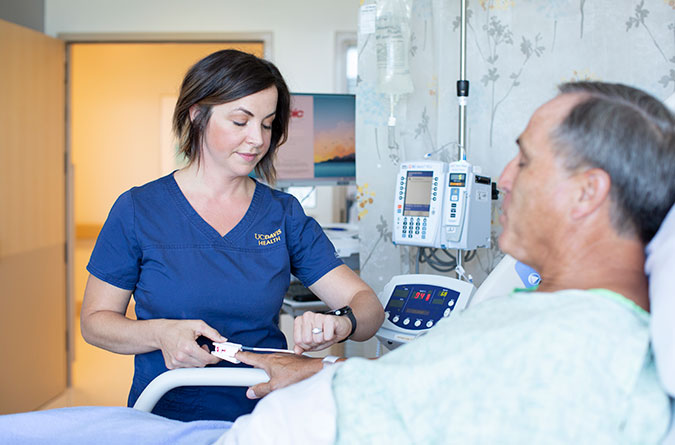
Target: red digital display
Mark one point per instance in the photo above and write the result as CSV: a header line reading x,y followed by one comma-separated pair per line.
x,y
422,295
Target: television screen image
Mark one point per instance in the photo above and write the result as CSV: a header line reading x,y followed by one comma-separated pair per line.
x,y
320,149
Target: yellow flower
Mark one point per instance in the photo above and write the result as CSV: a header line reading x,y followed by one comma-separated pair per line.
x,y
497,4
582,75
364,197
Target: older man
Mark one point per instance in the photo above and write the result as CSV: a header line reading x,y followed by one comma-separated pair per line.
x,y
569,363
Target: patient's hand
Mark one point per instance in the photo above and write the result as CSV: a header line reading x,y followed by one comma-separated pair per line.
x,y
283,370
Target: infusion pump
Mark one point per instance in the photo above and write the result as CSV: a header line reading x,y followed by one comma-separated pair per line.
x,y
442,205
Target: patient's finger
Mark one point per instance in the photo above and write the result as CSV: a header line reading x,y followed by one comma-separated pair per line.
x,y
255,360
259,391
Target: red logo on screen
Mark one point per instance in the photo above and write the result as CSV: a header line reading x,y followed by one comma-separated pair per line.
x,y
297,113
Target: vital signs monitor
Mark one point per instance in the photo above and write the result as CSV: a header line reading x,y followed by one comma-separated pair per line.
x,y
415,303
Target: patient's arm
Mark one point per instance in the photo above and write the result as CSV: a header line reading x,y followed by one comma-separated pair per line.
x,y
283,370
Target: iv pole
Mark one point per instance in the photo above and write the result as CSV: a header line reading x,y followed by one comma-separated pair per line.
x,y
462,83
462,95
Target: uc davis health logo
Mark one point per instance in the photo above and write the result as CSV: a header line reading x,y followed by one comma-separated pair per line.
x,y
265,239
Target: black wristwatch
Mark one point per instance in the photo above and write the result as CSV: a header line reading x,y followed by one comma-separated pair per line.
x,y
345,311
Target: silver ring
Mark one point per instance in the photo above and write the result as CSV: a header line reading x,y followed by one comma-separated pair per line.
x,y
317,330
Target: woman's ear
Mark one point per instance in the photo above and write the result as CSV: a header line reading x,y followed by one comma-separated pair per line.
x,y
594,185
194,110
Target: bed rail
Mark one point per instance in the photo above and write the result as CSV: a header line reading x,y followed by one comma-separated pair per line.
x,y
197,377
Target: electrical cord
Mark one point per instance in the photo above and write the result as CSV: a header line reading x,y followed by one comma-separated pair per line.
x,y
431,257
470,255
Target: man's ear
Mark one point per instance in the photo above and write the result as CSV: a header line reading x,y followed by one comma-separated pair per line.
x,y
593,186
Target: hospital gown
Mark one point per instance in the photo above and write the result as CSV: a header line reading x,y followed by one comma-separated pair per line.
x,y
566,367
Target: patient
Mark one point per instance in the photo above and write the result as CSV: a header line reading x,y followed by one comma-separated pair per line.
x,y
568,363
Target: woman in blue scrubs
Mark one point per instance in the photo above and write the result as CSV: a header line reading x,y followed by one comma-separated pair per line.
x,y
207,251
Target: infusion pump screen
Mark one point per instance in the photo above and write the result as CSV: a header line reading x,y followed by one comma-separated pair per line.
x,y
418,193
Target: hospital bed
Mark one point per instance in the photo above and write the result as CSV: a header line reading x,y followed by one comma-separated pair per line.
x,y
108,425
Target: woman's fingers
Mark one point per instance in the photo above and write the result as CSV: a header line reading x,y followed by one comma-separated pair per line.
x,y
179,346
312,331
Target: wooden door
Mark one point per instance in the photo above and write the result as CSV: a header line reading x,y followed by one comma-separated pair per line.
x,y
32,219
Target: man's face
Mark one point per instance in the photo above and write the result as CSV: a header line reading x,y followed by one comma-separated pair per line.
x,y
537,190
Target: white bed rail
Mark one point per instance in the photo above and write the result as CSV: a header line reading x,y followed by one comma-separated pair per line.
x,y
197,377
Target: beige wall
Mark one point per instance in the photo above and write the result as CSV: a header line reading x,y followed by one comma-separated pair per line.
x,y
116,95
303,31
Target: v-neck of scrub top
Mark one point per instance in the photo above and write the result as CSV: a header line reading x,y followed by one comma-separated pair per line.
x,y
206,228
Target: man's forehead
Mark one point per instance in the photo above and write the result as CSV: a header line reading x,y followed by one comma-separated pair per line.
x,y
549,116
556,109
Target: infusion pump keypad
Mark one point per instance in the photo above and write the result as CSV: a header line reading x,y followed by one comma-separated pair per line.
x,y
419,306
416,226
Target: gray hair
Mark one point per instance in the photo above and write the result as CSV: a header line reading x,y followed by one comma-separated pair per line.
x,y
630,135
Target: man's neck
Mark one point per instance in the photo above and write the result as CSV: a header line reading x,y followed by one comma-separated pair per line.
x,y
616,264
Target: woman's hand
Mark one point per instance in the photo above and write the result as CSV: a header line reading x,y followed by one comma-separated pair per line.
x,y
177,340
283,370
312,331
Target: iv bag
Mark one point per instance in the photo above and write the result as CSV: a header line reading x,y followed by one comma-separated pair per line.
x,y
392,34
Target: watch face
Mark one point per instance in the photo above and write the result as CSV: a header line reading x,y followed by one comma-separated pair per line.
x,y
342,311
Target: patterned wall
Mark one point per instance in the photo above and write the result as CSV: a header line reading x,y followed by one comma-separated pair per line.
x,y
517,52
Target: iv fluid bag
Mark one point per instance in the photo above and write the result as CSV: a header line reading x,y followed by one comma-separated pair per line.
x,y
392,33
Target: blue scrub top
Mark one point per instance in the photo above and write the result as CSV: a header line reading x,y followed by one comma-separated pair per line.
x,y
179,267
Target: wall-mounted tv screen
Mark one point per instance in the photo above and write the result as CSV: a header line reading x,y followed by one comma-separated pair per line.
x,y
320,149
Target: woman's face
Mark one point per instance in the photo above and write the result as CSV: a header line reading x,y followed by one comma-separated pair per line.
x,y
238,133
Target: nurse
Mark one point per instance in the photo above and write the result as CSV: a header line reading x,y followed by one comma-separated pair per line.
x,y
207,251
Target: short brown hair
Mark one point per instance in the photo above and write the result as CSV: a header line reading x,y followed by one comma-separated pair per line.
x,y
222,77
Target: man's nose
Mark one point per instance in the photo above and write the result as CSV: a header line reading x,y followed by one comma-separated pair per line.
x,y
506,178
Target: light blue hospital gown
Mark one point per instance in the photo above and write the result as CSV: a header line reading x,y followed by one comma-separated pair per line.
x,y
570,367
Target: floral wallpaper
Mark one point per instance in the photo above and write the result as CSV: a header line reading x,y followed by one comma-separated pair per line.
x,y
517,52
